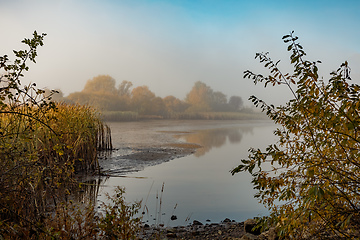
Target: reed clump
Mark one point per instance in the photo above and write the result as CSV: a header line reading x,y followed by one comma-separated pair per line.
x,y
81,134
41,150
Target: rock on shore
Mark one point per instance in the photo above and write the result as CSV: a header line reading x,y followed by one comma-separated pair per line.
x,y
227,229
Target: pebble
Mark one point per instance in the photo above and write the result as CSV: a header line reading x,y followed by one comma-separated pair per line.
x,y
226,220
197,223
197,230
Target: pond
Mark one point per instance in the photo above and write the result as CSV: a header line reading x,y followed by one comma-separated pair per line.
x,y
198,186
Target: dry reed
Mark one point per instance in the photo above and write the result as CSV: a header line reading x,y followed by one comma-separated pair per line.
x,y
40,152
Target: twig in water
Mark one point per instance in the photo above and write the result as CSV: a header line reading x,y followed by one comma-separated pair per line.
x,y
161,194
147,210
172,214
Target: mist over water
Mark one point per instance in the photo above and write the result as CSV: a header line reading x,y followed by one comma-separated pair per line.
x,y
200,185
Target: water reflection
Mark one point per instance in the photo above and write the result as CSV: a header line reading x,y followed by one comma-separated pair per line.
x,y
210,138
200,186
89,189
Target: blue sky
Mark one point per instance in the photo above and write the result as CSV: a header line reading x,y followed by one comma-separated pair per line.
x,y
170,44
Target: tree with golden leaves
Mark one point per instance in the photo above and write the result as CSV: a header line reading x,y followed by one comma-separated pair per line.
x,y
141,99
174,104
200,97
312,187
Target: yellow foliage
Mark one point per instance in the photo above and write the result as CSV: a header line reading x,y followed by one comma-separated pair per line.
x,y
317,192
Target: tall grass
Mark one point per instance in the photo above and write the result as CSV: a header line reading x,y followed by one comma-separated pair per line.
x,y
81,134
40,152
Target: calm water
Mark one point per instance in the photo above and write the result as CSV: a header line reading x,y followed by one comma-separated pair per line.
x,y
199,185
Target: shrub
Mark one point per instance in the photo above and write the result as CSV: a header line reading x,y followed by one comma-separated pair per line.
x,y
312,184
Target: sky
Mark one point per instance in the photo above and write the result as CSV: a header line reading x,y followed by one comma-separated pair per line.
x,y
168,45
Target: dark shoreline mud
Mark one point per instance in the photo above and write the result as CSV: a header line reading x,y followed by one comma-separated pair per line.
x,y
133,159
138,147
226,229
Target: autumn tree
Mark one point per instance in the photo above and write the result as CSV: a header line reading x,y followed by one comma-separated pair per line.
x,y
203,98
174,104
309,179
100,101
124,88
101,93
199,97
124,95
145,102
103,84
141,99
157,107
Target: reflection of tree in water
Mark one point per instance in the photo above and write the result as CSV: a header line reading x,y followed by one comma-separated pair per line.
x,y
210,138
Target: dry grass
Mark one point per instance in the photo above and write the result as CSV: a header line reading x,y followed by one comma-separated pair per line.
x,y
40,152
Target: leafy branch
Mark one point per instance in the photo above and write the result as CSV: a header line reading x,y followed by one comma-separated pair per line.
x,y
317,151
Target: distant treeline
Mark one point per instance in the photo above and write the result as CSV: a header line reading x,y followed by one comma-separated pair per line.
x,y
124,103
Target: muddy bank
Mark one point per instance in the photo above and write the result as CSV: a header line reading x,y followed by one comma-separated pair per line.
x,y
127,160
138,145
225,230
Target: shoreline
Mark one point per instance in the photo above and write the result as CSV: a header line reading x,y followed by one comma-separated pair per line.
x,y
141,146
226,229
121,162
